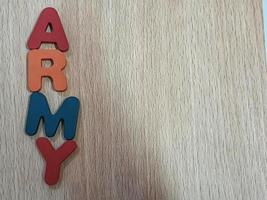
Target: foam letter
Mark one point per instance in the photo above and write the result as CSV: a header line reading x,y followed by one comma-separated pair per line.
x,y
54,158
48,18
55,72
39,108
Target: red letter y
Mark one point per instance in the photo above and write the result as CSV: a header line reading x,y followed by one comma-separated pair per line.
x,y
54,158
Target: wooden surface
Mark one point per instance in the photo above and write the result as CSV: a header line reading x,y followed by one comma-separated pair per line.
x,y
173,100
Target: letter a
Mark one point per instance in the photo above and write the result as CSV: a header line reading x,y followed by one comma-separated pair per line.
x,y
48,18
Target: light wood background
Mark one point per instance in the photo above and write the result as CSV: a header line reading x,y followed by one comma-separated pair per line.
x,y
173,100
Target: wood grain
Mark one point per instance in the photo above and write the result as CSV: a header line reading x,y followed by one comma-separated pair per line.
x,y
173,100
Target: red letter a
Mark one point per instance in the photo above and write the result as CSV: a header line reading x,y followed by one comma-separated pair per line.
x,y
48,18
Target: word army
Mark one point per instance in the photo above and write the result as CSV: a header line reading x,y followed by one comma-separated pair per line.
x,y
38,107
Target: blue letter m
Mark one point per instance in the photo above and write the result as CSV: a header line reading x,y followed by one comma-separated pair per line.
x,y
67,113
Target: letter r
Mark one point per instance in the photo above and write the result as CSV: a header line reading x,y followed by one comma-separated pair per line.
x,y
55,72
39,109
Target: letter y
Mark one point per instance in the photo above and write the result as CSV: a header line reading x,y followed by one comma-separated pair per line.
x,y
54,158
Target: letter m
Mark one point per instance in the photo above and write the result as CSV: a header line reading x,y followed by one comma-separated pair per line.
x,y
39,109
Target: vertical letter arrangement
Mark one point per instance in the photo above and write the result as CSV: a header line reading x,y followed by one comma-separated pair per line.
x,y
38,107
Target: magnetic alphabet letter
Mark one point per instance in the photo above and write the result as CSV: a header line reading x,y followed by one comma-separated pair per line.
x,y
55,72
48,18
54,158
39,108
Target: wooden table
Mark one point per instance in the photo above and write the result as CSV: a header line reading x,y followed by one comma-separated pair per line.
x,y
173,100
